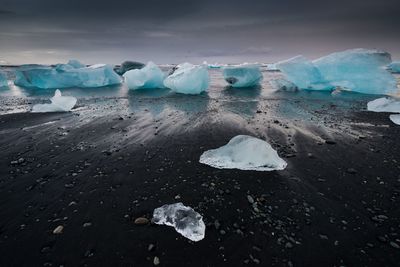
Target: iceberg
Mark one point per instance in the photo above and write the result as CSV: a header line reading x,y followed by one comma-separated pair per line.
x,y
247,75
244,152
3,79
188,79
59,103
358,70
151,76
395,67
384,104
128,65
395,118
184,219
66,76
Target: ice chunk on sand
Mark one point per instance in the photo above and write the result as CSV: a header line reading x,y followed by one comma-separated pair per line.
x,y
151,76
59,103
303,73
247,75
284,85
66,75
358,70
188,79
395,118
245,153
184,219
128,65
395,67
384,104
3,79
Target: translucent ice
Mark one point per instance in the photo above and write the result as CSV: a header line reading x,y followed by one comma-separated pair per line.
x,y
395,118
188,79
395,67
358,70
245,153
384,105
3,79
151,76
75,64
128,65
59,103
66,75
184,219
248,75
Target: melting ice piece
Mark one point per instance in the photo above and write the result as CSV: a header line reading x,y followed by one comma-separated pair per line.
x,y
358,70
59,103
151,76
303,73
184,219
128,65
188,79
246,75
3,79
384,104
395,118
284,85
66,75
245,153
395,67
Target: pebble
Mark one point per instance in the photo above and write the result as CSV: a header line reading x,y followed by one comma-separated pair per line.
x,y
250,199
156,261
58,230
395,245
141,221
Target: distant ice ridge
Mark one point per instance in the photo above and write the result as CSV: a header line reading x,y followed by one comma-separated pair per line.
x,y
59,103
358,70
73,74
149,77
184,219
188,79
245,153
395,67
3,79
385,104
245,75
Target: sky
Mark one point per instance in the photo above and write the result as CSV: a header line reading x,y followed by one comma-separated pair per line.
x,y
175,31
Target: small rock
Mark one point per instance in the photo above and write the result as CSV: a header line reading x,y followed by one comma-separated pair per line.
x,y
395,245
156,261
151,247
58,230
330,142
141,221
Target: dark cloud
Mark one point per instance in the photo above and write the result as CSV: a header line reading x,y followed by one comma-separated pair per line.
x,y
179,30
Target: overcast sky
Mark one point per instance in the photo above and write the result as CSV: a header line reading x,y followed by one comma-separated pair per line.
x,y
174,31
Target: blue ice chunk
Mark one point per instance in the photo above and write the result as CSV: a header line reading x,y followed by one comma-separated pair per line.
x,y
65,76
188,79
246,75
149,77
395,67
3,79
303,73
59,103
76,64
358,70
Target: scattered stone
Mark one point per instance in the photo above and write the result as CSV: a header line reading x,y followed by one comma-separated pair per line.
x,y
151,247
141,221
395,245
250,199
351,171
58,230
156,261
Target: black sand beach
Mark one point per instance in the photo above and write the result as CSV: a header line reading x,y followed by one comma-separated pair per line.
x,y
96,169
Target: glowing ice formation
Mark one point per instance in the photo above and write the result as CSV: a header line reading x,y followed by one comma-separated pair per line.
x,y
59,103
149,77
66,75
357,70
246,75
3,79
245,153
184,219
188,79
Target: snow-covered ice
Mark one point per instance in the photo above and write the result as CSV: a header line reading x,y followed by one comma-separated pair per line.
x,y
149,77
395,67
184,219
248,75
384,104
358,70
395,118
128,65
66,75
59,103
3,79
188,79
245,153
